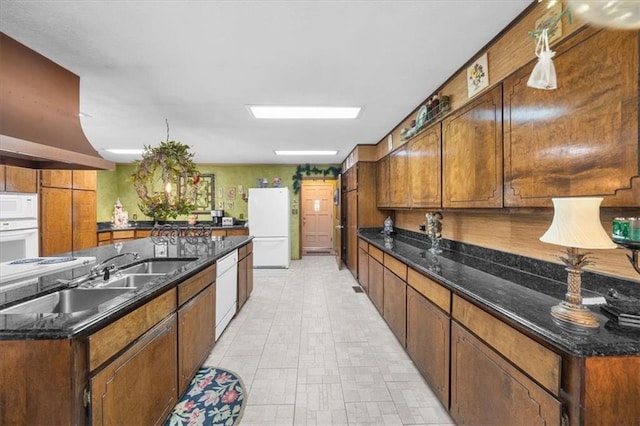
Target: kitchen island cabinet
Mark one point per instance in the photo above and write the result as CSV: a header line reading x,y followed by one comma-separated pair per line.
x,y
245,274
125,361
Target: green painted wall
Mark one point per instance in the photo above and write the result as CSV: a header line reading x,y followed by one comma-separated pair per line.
x,y
116,184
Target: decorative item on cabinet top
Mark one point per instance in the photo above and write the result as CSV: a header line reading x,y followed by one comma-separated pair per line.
x,y
435,107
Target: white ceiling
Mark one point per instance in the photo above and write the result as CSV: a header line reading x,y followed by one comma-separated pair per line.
x,y
198,63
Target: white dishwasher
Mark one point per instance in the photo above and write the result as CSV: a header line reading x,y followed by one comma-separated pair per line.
x,y
226,290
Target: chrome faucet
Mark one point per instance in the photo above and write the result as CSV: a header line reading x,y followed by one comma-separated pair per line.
x,y
95,270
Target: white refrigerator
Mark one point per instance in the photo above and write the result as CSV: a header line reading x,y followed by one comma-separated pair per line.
x,y
269,224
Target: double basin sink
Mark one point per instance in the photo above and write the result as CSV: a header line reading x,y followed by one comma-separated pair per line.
x,y
97,291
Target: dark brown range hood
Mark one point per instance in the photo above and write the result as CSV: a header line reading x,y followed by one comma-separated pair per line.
x,y
39,113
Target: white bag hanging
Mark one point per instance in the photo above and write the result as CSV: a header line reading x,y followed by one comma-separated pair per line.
x,y
543,75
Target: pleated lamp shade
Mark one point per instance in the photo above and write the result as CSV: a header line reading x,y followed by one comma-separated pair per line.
x,y
576,223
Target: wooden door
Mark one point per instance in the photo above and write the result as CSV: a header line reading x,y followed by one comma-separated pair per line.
x,y
140,386
85,217
339,225
376,289
424,154
196,323
399,178
383,181
351,233
19,179
84,179
395,304
582,138
363,269
55,221
428,339
514,399
56,178
472,153
317,217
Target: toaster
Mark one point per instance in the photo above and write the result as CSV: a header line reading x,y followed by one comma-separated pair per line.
x,y
227,221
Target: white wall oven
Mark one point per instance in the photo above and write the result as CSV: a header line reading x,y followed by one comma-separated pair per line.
x,y
18,226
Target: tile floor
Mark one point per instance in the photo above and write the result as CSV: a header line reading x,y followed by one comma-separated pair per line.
x,y
311,351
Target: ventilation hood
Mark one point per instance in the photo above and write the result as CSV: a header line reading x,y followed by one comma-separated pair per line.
x,y
39,113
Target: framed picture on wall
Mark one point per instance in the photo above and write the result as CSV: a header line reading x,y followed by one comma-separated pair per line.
x,y
477,76
205,200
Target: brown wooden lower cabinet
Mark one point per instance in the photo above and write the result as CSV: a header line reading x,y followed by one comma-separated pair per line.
x,y
428,342
376,287
363,269
139,386
487,389
242,282
395,304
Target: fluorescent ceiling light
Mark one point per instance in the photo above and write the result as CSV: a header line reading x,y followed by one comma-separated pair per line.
x,y
303,112
281,152
125,151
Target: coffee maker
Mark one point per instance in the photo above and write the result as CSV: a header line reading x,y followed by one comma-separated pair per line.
x,y
216,217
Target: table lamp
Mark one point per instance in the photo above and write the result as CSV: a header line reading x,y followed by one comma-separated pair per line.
x,y
576,225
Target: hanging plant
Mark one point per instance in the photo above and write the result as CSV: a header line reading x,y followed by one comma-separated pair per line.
x,y
166,180
308,170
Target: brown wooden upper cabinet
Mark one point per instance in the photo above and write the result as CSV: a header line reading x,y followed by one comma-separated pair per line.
x,y
382,183
472,153
424,152
582,138
18,179
350,179
55,178
84,179
399,177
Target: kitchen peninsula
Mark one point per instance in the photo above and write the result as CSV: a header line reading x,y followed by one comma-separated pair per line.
x,y
148,340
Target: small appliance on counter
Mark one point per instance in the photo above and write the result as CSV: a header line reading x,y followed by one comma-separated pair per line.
x,y
228,221
216,217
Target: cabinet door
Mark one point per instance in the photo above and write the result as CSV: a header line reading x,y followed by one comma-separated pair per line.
x,y
85,216
428,339
582,138
395,305
472,153
242,282
352,231
196,322
376,278
424,154
84,179
19,179
350,178
55,221
249,274
56,178
513,398
363,269
382,183
139,386
399,178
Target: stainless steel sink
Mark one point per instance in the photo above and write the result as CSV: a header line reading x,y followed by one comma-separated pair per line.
x,y
157,266
128,281
67,301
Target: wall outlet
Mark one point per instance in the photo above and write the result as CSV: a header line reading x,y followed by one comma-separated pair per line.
x,y
422,227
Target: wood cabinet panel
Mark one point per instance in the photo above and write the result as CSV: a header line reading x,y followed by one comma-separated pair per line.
x,y
424,153
3,185
250,272
472,153
582,138
55,224
395,305
376,279
108,341
363,245
195,284
352,231
84,218
383,181
395,266
242,282
140,386
84,179
236,232
56,178
513,399
142,233
196,323
428,341
363,269
19,179
368,213
428,288
350,178
533,358
399,178
376,253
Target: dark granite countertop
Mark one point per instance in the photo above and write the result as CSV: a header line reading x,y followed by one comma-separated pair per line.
x,y
519,298
148,224
204,253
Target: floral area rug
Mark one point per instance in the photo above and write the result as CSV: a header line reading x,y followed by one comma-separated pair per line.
x,y
214,397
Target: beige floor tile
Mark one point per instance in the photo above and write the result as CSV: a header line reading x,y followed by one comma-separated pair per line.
x,y
267,415
273,386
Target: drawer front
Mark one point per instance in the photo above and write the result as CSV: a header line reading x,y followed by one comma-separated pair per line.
x,y
117,335
196,284
376,253
395,266
123,235
250,247
104,236
143,233
430,289
363,245
538,362
242,252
